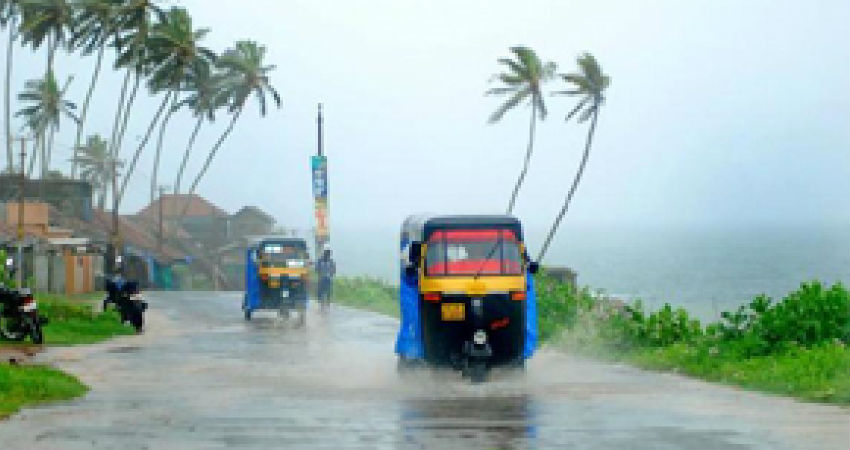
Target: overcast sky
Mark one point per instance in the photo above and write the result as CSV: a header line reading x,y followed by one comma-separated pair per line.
x,y
719,112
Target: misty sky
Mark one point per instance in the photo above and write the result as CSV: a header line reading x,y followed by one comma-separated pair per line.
x,y
719,112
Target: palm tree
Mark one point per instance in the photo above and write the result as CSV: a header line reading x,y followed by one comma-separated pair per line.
x,y
96,166
204,99
589,85
175,42
46,20
134,20
245,73
94,25
9,15
522,82
46,105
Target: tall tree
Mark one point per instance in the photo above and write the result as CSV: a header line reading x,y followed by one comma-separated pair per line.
x,y
9,17
204,97
175,42
245,73
589,85
521,82
45,105
96,166
46,21
94,25
134,21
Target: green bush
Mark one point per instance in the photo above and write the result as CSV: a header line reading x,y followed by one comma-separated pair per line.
x,y
808,316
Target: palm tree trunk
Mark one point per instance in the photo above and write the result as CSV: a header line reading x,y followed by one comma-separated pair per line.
x,y
10,156
210,157
127,108
118,113
50,53
186,154
35,150
85,108
159,140
529,150
101,197
573,188
141,147
45,164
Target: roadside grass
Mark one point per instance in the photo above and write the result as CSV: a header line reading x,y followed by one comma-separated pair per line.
x,y
28,385
73,320
367,293
820,373
797,346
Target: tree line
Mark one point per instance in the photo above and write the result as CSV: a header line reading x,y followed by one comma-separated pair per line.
x,y
522,83
156,49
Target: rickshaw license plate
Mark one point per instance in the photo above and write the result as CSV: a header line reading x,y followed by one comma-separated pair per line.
x,y
452,311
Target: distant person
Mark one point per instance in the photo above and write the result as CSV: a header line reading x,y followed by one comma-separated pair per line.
x,y
326,269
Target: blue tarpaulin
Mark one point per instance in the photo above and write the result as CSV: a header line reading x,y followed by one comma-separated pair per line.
x,y
409,343
252,282
530,318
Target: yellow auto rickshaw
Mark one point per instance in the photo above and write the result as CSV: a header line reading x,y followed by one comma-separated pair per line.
x,y
466,294
277,277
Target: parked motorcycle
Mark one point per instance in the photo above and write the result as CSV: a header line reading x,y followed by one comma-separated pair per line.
x,y
128,300
19,316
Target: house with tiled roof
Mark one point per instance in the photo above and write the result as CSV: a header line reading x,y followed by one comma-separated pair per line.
x,y
205,222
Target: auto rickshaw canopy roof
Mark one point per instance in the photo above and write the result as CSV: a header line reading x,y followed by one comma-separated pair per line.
x,y
418,228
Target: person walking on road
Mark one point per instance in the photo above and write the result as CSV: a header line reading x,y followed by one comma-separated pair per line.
x,y
326,269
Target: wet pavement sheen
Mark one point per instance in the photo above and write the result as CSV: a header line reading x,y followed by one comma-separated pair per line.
x,y
202,377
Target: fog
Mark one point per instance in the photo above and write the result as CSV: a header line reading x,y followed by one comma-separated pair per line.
x,y
719,113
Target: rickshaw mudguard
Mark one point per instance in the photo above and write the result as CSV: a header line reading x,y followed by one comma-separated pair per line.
x,y
530,318
409,343
252,282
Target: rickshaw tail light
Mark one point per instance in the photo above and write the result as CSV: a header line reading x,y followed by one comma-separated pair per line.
x,y
432,297
518,295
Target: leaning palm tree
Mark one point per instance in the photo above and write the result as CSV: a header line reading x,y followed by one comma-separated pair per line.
x,y
204,98
96,166
94,25
134,21
522,82
175,42
46,21
9,17
45,106
245,73
589,85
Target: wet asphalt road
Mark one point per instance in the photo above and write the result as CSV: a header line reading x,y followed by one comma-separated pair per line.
x,y
201,377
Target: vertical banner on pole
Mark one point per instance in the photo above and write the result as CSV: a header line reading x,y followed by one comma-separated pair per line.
x,y
319,167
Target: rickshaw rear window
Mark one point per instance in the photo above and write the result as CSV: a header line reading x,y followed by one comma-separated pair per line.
x,y
470,252
282,252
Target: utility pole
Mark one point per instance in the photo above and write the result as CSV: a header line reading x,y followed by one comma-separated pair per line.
x,y
162,189
319,121
19,281
319,169
113,246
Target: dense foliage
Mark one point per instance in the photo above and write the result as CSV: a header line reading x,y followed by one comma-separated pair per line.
x,y
796,346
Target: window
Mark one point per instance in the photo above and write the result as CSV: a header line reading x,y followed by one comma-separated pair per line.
x,y
472,252
274,254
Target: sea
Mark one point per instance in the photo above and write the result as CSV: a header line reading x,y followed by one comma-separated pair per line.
x,y
704,269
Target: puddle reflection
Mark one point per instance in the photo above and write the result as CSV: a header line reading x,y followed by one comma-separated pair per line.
x,y
468,422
